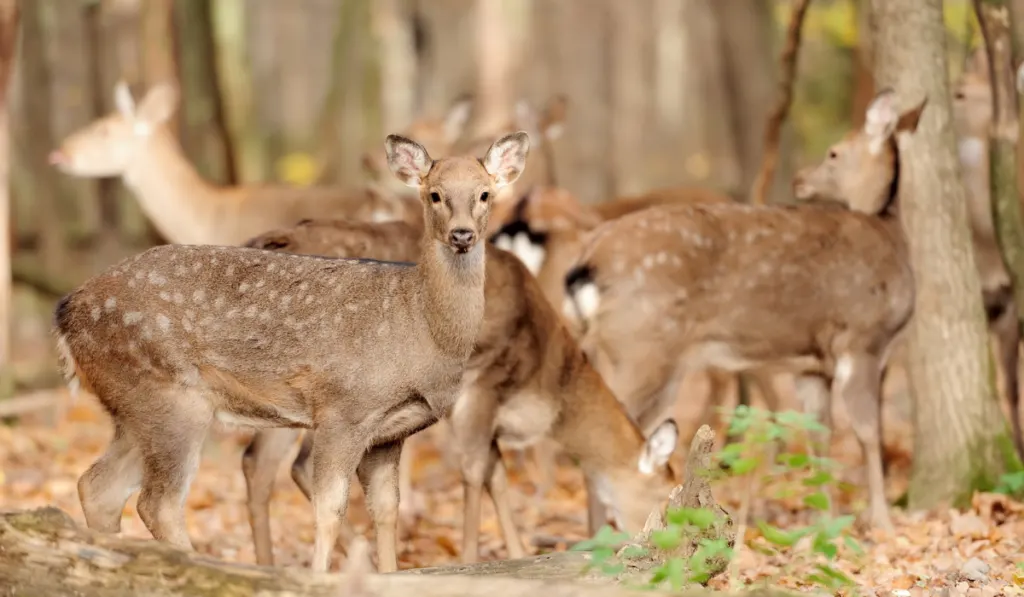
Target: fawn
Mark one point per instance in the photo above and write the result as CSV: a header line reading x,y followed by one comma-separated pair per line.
x,y
972,119
526,379
136,144
364,353
814,289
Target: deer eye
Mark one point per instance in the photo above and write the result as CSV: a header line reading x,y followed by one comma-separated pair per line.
x,y
832,154
484,197
435,197
959,95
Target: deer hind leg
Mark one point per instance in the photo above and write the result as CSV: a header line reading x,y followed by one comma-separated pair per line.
x,y
1007,331
260,463
170,441
378,474
104,489
858,382
497,487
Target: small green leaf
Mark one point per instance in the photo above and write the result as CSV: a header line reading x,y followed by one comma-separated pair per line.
x,y
778,536
606,536
835,526
741,466
818,479
666,538
817,500
634,551
697,517
834,574
794,460
824,546
612,569
853,545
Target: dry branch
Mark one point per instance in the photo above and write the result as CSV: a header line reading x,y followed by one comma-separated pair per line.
x,y
9,14
773,128
43,552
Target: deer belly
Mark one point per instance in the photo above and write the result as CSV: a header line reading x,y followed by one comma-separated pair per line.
x,y
524,421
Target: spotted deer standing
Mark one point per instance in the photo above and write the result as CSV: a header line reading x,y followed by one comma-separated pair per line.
x,y
527,379
972,120
817,290
136,144
363,353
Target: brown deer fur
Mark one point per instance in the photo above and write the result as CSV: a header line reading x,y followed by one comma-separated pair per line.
x,y
136,144
817,290
527,379
364,353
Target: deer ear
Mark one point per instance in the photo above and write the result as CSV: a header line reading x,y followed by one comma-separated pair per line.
x,y
506,158
909,120
123,100
457,117
159,104
659,447
880,119
408,160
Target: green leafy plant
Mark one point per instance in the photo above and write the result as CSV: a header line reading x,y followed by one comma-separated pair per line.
x,y
1011,484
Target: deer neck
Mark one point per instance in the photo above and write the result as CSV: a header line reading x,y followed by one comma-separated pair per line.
x,y
592,407
453,294
169,190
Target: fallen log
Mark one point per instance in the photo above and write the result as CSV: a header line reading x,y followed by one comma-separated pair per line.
x,y
43,552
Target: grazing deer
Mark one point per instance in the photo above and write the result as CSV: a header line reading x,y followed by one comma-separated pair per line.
x,y
814,289
364,353
136,143
972,120
526,379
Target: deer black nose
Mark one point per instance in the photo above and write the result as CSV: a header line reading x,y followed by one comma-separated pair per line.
x,y
462,238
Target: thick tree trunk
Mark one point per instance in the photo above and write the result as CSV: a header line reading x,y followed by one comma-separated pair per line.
x,y
8,38
994,16
949,362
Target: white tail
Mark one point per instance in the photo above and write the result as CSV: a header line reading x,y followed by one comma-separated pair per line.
x,y
817,290
527,379
363,353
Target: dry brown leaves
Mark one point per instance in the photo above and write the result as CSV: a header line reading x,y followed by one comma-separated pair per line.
x,y
969,553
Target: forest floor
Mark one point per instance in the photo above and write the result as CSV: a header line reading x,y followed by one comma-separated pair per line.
x,y
977,552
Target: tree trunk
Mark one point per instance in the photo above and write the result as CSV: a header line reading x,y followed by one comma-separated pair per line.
x,y
8,38
863,80
994,17
960,433
203,131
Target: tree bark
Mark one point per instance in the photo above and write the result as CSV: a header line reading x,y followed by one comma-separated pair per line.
x,y
8,37
994,17
43,552
773,128
948,355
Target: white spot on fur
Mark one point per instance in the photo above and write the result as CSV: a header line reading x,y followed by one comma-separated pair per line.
x,y
260,283
110,303
178,298
648,261
381,215
163,321
96,313
156,279
530,254
164,295
132,317
230,271
243,287
587,300
250,311
199,296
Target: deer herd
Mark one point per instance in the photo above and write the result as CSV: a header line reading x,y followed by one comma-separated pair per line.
x,y
489,298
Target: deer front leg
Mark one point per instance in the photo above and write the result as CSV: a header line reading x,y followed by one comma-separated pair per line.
x,y
378,474
858,382
337,451
260,463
